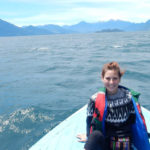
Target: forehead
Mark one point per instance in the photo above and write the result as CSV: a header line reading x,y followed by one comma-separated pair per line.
x,y
111,73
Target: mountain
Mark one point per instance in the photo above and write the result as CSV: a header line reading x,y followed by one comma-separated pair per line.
x,y
8,29
33,30
110,30
55,29
84,27
140,26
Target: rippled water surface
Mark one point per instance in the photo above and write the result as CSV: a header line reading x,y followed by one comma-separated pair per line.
x,y
44,79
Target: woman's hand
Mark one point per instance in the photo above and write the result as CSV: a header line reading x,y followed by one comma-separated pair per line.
x,y
82,137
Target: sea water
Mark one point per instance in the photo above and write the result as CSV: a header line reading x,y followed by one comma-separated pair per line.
x,y
44,79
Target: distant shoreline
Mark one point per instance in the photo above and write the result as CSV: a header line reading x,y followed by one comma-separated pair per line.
x,y
110,30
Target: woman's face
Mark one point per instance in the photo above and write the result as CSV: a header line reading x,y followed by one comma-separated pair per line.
x,y
111,81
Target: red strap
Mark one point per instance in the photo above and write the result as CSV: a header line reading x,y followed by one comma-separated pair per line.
x,y
140,112
100,105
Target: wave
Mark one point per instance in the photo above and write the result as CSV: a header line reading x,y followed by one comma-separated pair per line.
x,y
117,46
137,75
16,120
26,124
40,49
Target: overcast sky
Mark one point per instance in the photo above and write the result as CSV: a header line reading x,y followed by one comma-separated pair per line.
x,y
67,12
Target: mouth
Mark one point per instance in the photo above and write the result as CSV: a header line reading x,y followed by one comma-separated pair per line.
x,y
112,86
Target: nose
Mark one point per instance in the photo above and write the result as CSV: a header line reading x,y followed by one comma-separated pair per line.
x,y
111,81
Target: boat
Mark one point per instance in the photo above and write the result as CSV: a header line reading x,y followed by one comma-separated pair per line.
x,y
63,136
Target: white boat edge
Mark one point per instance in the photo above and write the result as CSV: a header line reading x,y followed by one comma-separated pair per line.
x,y
63,136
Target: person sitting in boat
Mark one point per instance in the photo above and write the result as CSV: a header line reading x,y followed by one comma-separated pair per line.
x,y
114,117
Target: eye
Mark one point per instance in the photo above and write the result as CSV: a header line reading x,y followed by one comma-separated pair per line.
x,y
107,78
115,78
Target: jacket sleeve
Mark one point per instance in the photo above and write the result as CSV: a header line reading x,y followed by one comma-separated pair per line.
x,y
90,111
139,131
135,96
141,114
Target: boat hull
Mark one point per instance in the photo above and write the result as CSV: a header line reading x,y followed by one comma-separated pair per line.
x,y
63,136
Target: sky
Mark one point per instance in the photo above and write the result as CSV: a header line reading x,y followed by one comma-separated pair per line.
x,y
69,12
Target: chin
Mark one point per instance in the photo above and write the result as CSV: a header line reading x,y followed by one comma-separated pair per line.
x,y
112,91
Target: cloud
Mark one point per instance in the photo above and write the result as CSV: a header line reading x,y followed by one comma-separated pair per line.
x,y
42,19
78,1
73,11
74,15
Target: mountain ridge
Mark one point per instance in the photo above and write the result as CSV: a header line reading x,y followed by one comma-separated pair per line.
x,y
9,29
